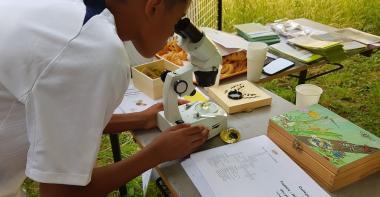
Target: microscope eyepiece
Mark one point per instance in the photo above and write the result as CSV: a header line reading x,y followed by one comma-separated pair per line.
x,y
186,29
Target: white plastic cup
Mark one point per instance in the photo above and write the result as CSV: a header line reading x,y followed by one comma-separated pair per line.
x,y
256,55
307,94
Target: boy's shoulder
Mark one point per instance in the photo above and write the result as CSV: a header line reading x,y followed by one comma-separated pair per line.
x,y
32,34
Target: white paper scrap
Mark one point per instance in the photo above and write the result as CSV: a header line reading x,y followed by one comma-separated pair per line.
x,y
145,180
227,40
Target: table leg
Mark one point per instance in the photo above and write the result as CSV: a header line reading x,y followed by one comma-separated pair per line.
x,y
116,153
367,53
302,77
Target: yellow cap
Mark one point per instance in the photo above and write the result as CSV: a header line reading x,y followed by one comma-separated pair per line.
x,y
230,135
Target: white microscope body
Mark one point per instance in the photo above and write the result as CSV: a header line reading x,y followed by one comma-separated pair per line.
x,y
205,60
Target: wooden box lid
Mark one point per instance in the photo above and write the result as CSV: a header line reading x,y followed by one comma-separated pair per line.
x,y
333,150
253,97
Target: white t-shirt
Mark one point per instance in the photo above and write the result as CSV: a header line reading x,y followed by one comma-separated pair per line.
x,y
59,85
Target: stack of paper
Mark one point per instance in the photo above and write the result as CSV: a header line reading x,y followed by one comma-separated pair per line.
x,y
255,32
253,167
293,52
349,46
332,51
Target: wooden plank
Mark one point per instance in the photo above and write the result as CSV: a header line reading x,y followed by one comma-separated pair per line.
x,y
167,182
361,171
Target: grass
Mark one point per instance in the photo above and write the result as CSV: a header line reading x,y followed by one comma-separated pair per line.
x,y
353,92
359,14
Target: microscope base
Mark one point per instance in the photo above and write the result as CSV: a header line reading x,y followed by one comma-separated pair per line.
x,y
216,121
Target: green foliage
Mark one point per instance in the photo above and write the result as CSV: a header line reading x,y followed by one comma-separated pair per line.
x,y
360,14
128,148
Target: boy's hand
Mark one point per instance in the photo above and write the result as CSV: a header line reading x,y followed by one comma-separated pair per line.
x,y
178,141
151,113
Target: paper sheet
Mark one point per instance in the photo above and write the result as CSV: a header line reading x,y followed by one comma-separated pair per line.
x,y
295,52
145,180
226,51
134,101
359,36
196,176
348,44
308,42
253,167
227,40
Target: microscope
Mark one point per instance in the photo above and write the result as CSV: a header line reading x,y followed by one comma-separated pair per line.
x,y
204,63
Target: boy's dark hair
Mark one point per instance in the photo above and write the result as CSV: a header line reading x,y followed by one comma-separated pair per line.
x,y
172,3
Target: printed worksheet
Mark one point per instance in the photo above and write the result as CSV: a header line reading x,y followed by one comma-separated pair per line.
x,y
253,167
134,101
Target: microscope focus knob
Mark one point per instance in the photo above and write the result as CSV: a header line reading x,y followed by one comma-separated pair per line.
x,y
163,75
180,86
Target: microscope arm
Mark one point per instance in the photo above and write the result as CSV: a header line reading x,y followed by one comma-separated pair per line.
x,y
177,83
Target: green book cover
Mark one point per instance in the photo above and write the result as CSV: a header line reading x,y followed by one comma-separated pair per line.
x,y
333,137
256,32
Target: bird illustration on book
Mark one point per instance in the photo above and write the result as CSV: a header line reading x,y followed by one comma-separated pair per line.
x,y
335,150
337,145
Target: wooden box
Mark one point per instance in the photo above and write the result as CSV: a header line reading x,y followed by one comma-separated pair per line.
x,y
334,151
151,85
234,64
253,97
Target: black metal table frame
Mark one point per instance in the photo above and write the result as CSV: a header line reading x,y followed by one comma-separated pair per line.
x,y
302,77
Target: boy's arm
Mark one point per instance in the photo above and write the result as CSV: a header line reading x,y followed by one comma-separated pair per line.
x,y
126,122
146,119
175,143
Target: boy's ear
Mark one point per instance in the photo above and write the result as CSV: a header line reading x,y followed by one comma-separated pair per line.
x,y
152,6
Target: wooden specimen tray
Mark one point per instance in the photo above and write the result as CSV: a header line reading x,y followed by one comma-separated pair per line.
x,y
252,97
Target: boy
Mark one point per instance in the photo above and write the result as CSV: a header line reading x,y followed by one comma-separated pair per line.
x,y
63,71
